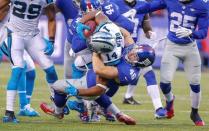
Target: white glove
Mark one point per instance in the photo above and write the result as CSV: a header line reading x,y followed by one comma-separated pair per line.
x,y
183,32
152,35
72,53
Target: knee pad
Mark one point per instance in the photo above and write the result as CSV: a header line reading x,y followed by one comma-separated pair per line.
x,y
60,99
51,75
104,101
165,87
150,78
15,78
195,88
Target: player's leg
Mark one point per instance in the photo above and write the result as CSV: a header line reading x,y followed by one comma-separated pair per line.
x,y
68,61
128,98
168,67
153,91
36,51
14,49
192,67
30,76
25,108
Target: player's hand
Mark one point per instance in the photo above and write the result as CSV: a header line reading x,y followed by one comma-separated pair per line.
x,y
182,32
152,35
80,27
71,90
49,49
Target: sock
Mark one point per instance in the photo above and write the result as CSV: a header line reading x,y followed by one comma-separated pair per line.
x,y
166,89
30,79
12,87
130,91
11,95
154,93
114,109
114,88
104,101
195,95
22,91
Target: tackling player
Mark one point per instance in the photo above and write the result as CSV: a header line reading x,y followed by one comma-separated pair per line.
x,y
187,22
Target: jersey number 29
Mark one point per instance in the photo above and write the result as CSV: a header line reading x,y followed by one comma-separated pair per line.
x,y
20,8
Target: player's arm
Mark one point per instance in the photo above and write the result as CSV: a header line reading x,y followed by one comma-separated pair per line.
x,y
146,26
146,7
202,23
4,8
99,89
108,72
127,37
111,10
51,15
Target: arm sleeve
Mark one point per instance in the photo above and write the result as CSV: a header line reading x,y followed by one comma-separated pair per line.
x,y
202,31
58,3
78,44
111,10
146,7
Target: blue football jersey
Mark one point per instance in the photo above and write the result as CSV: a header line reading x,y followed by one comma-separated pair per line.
x,y
127,11
111,10
191,16
69,11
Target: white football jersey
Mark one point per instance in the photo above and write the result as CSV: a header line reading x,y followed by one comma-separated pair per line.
x,y
24,16
114,56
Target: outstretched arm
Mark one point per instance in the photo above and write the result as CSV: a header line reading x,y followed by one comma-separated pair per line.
x,y
146,7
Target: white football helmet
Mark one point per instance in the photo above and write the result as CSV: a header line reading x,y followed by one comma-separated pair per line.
x,y
102,42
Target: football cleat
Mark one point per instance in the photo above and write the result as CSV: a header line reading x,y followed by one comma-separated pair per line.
x,y
195,117
28,111
94,108
161,113
125,119
9,117
95,117
131,101
170,108
108,115
66,110
84,116
48,109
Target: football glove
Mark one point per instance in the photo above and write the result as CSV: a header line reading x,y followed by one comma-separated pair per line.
x,y
49,49
71,90
80,27
182,32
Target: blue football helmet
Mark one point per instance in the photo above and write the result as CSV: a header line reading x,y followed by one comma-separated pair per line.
x,y
140,55
89,5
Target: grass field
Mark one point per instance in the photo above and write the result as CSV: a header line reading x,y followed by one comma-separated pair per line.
x,y
144,113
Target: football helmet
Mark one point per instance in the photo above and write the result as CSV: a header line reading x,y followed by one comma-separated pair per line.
x,y
89,5
140,55
102,42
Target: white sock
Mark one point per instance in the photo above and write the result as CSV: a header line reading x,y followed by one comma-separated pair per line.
x,y
130,91
195,99
114,109
11,98
58,110
154,93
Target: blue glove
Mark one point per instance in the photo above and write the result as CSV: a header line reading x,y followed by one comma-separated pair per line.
x,y
80,27
49,49
71,90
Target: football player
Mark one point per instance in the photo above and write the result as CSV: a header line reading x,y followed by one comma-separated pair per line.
x,y
184,18
25,89
23,32
110,9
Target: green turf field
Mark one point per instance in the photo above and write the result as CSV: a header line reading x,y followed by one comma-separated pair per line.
x,y
144,113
